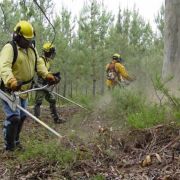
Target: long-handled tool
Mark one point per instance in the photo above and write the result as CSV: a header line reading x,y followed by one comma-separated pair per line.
x,y
50,89
69,100
39,121
13,102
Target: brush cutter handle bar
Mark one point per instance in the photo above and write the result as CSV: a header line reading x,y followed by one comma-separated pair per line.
x,y
11,100
39,121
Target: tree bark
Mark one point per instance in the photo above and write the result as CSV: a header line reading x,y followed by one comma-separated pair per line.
x,y
65,85
171,65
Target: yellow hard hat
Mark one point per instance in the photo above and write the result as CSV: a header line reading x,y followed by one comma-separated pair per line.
x,y
47,47
25,29
116,56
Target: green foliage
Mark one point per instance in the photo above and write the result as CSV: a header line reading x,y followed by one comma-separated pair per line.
x,y
86,101
131,108
149,116
123,103
177,116
160,21
160,85
85,44
49,150
98,177
126,100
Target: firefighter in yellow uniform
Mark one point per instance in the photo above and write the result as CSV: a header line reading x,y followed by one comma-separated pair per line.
x,y
116,72
17,72
49,52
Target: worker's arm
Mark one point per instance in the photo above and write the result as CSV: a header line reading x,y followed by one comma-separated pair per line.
x,y
6,59
122,71
107,66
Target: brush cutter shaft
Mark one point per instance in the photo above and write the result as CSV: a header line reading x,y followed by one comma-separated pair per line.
x,y
47,88
13,102
68,100
39,121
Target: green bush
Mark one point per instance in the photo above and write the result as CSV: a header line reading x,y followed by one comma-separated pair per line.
x,y
50,151
130,108
98,177
123,102
147,117
85,101
127,101
177,117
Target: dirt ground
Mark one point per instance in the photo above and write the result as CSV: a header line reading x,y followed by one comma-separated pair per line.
x,y
149,154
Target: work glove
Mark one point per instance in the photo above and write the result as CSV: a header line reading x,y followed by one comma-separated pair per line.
x,y
52,79
57,76
13,84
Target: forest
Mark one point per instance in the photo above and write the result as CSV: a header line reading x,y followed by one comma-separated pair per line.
x,y
130,132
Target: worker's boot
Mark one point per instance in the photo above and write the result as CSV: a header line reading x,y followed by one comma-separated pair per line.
x,y
57,118
10,131
17,141
37,110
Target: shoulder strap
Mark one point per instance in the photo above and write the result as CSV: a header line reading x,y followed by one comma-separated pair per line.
x,y
35,57
13,44
111,66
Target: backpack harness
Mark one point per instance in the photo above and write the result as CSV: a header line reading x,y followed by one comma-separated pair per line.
x,y
15,50
112,74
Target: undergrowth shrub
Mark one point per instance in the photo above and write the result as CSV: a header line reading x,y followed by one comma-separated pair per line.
x,y
130,108
147,117
51,151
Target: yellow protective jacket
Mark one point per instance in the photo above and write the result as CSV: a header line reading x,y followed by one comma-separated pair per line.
x,y
24,67
121,72
46,61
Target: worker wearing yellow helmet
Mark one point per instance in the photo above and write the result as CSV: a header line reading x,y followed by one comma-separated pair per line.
x,y
49,52
116,72
18,62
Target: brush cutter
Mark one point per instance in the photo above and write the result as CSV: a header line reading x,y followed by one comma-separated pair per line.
x,y
13,101
50,89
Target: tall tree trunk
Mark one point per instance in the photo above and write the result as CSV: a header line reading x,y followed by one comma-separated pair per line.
x,y
102,72
171,65
65,85
71,89
94,87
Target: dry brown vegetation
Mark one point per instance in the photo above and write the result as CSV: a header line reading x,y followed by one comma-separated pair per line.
x,y
152,153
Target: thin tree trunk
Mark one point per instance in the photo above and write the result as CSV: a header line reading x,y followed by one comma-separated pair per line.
x,y
102,73
86,90
65,85
76,88
94,87
71,89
